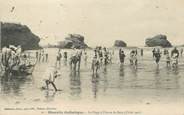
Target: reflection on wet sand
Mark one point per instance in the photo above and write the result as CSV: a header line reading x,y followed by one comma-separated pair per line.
x,y
121,71
75,84
50,95
13,84
113,80
65,62
95,83
121,76
166,81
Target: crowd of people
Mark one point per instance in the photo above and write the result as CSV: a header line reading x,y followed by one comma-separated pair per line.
x,y
12,58
171,58
103,57
41,56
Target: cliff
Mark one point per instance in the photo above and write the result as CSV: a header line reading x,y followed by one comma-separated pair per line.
x,y
17,34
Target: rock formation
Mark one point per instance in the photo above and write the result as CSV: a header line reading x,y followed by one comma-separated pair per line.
x,y
17,34
73,41
120,43
159,40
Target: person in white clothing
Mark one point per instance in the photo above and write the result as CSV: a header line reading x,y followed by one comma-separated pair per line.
x,y
51,76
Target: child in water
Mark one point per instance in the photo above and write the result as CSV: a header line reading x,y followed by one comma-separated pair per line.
x,y
85,57
95,64
157,57
168,60
51,76
174,60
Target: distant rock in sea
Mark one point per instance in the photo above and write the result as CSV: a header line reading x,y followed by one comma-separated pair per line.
x,y
73,41
120,43
159,40
17,34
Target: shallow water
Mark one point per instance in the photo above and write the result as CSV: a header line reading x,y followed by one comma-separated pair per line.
x,y
113,84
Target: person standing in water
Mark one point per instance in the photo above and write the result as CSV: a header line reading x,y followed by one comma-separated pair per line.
x,y
37,55
181,52
142,52
153,52
79,55
85,57
175,51
105,56
58,58
95,64
133,58
157,56
168,60
175,55
46,57
121,56
65,56
40,55
101,56
43,55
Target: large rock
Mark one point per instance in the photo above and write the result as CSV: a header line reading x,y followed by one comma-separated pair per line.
x,y
73,41
17,34
120,43
159,40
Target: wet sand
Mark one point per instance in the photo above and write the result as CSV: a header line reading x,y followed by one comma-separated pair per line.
x,y
113,85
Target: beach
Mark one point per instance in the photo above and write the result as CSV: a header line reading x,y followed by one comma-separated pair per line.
x,y
114,84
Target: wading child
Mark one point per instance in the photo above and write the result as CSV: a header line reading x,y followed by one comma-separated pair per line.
x,y
121,56
174,61
157,57
95,64
168,60
58,58
51,77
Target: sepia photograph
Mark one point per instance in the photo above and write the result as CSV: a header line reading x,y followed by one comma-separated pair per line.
x,y
91,57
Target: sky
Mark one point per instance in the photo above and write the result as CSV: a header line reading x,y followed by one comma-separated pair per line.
x,y
100,21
